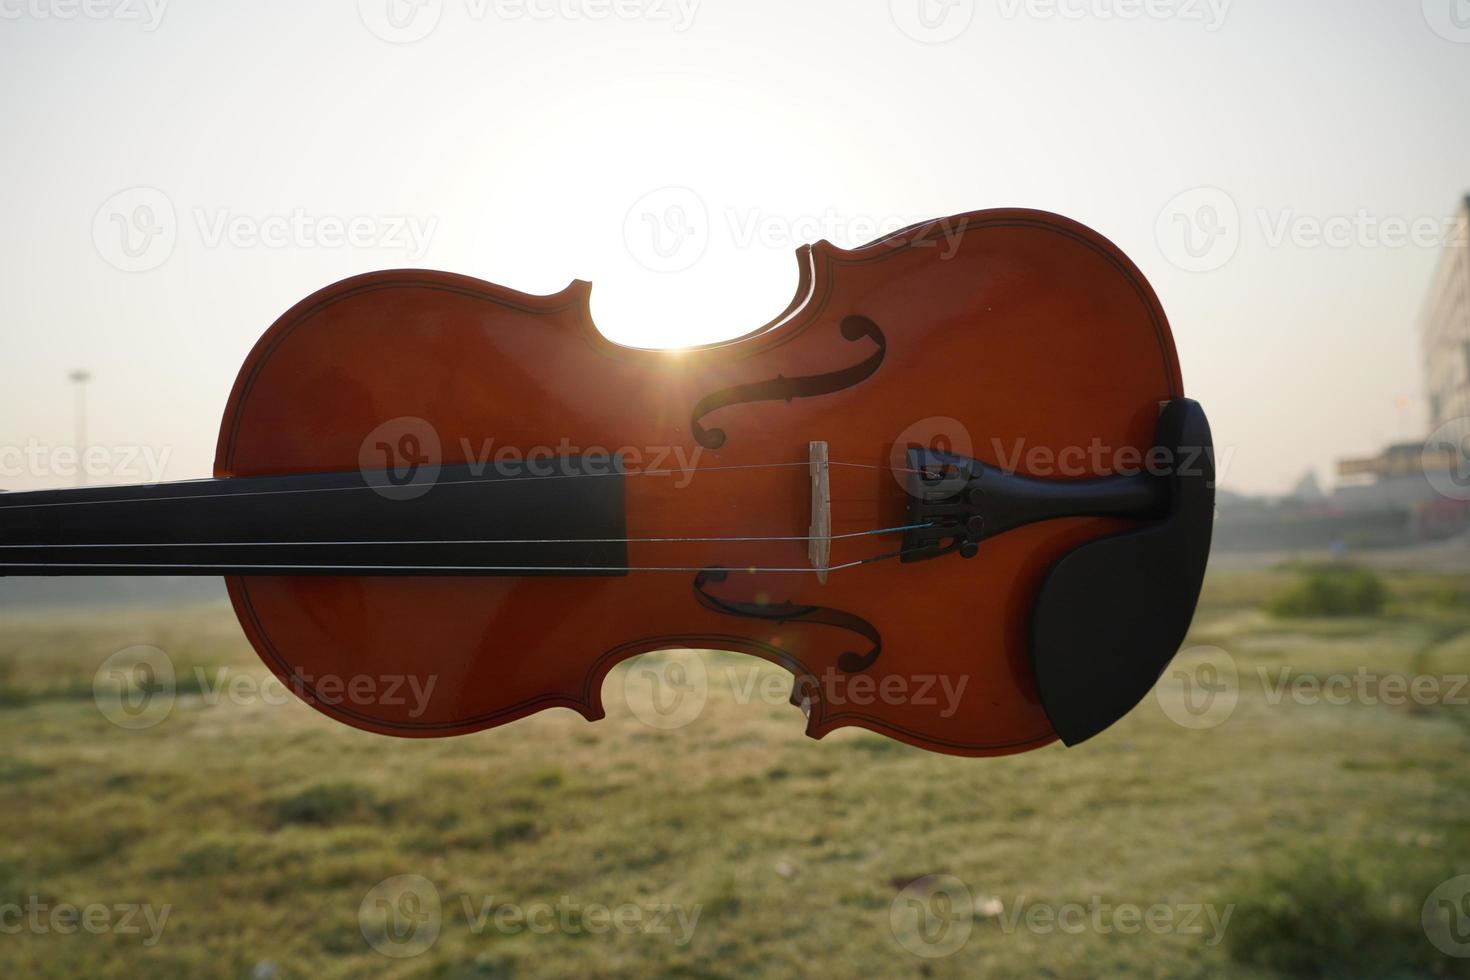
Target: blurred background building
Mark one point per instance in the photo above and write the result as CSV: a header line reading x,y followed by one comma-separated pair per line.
x,y
1387,500
1444,332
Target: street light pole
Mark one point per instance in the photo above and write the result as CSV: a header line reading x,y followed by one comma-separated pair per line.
x,y
80,378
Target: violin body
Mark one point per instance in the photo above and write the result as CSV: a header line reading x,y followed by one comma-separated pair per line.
x,y
1015,338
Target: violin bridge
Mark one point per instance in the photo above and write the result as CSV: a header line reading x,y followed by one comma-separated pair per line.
x,y
819,535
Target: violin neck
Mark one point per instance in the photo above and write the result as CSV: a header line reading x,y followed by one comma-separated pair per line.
x,y
452,520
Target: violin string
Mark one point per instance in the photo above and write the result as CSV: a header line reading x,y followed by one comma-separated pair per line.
x,y
569,569
408,569
474,541
389,487
466,568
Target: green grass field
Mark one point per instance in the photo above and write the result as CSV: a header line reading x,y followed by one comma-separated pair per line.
x,y
1290,835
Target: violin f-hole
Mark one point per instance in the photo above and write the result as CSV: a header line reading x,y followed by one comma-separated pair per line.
x,y
853,328
787,612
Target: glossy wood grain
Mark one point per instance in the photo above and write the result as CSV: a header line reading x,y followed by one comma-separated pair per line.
x,y
1030,331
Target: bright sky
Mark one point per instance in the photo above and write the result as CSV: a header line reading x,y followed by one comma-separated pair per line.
x,y
177,173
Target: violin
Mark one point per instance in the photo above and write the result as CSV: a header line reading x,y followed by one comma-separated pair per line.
x,y
961,456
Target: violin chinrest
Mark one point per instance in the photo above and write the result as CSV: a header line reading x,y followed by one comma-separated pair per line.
x,y
1111,614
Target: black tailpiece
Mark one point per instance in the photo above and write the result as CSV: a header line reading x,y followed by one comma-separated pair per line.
x,y
1110,614
960,502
